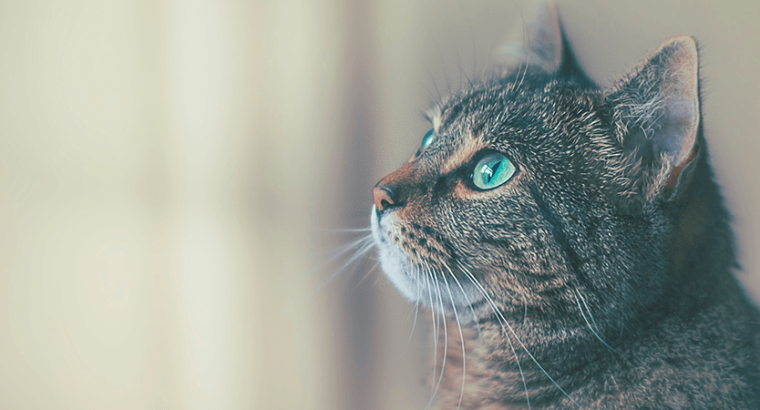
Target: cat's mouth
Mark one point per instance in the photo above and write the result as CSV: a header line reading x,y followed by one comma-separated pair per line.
x,y
419,278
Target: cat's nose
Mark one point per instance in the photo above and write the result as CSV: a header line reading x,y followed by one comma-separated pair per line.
x,y
384,197
393,190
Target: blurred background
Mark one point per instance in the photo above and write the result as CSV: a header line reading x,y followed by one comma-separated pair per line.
x,y
178,177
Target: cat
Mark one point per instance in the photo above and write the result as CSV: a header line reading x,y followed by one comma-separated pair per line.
x,y
575,240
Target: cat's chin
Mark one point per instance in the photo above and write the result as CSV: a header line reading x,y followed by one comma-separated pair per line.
x,y
417,285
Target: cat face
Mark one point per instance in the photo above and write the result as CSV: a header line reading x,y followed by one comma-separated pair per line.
x,y
537,191
443,221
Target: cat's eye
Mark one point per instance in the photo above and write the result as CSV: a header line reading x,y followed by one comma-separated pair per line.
x,y
492,170
426,141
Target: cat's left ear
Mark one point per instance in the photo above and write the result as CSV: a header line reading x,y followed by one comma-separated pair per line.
x,y
543,44
656,114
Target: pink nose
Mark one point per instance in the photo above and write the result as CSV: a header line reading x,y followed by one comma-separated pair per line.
x,y
383,198
394,189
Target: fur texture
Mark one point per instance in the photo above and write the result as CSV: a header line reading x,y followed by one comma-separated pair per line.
x,y
599,275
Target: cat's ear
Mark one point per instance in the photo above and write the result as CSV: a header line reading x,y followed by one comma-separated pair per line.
x,y
656,114
542,43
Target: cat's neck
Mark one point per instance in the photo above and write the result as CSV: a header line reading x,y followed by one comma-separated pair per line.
x,y
503,373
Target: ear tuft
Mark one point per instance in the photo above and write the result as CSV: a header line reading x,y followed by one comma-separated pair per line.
x,y
656,111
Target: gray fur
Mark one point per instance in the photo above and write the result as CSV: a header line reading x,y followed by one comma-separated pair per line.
x,y
609,253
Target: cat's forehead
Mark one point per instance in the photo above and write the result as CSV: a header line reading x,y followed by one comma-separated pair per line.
x,y
527,120
486,112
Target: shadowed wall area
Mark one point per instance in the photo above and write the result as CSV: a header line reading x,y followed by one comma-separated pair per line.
x,y
177,178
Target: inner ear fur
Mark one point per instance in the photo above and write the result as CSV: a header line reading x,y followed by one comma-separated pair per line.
x,y
656,114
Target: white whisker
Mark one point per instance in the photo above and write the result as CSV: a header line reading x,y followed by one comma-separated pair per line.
x,y
366,247
523,345
577,300
587,309
366,275
445,338
474,316
526,39
435,329
461,336
416,309
359,253
351,230
509,341
342,250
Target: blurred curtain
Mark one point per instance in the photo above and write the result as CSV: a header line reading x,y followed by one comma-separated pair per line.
x,y
163,164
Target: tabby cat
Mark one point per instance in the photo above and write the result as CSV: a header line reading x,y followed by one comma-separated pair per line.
x,y
575,240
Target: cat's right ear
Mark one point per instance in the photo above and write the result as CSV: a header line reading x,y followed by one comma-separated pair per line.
x,y
657,118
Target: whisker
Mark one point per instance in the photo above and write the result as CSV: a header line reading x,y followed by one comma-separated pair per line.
x,y
461,336
587,309
474,317
577,300
350,230
463,73
477,284
435,330
366,275
432,79
445,340
342,250
441,59
525,348
416,310
526,45
414,323
360,253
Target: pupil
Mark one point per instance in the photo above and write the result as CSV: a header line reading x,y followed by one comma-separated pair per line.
x,y
490,171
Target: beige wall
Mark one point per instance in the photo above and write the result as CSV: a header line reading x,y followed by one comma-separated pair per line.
x,y
172,174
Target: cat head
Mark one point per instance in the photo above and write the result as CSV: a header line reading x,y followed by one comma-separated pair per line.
x,y
536,190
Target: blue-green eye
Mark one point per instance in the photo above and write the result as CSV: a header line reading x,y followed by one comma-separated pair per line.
x,y
492,170
426,141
